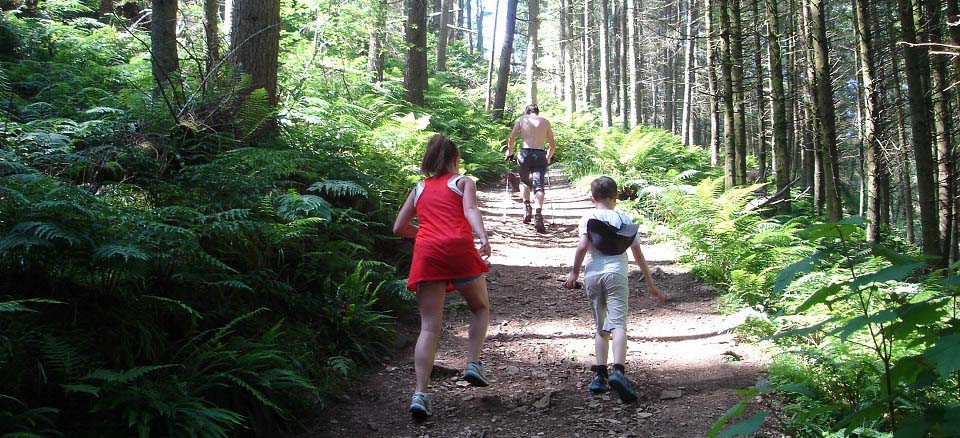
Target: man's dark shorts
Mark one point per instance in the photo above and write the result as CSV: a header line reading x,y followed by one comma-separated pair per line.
x,y
533,163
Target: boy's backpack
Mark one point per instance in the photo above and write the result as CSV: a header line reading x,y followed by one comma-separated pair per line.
x,y
611,240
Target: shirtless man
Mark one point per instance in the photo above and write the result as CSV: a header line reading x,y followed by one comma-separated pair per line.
x,y
533,159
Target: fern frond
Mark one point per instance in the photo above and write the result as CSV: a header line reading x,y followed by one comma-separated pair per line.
x,y
176,304
232,284
294,206
338,188
125,252
63,357
81,389
18,305
125,376
34,233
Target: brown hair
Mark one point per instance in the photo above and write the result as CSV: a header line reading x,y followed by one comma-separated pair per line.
x,y
438,156
532,109
603,187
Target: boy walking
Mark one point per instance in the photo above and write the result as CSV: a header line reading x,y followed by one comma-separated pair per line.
x,y
607,288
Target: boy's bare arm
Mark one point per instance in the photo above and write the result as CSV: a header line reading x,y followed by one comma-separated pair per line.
x,y
578,256
647,278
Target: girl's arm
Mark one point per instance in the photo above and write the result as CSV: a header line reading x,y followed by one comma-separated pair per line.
x,y
472,213
647,278
404,226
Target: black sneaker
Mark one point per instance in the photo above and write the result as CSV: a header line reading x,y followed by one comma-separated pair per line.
x,y
599,385
621,385
538,223
527,213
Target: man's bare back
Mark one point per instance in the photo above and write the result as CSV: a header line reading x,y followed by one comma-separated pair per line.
x,y
533,131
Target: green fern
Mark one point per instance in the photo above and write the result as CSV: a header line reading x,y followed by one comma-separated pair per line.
x,y
107,377
117,252
19,305
338,188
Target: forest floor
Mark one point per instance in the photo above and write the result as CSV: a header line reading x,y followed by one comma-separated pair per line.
x,y
681,358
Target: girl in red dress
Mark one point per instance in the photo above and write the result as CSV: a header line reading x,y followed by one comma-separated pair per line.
x,y
445,259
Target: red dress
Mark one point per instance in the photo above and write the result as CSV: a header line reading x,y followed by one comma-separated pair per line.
x,y
443,249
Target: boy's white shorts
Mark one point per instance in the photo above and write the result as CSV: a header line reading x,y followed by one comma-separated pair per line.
x,y
608,294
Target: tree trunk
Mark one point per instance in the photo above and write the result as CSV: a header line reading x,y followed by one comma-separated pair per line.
x,y
106,7
468,21
761,120
255,43
826,113
163,43
871,112
443,35
585,61
687,113
624,100
633,55
569,87
211,10
914,57
506,52
943,126
480,14
781,150
605,116
713,97
415,63
378,34
739,103
533,49
726,73
496,18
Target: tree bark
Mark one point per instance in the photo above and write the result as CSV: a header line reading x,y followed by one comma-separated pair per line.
x,y
415,63
585,52
781,150
914,56
826,113
605,116
726,73
255,43
624,100
506,53
496,18
688,55
713,97
211,10
739,103
378,33
443,35
943,126
871,118
480,14
761,119
569,85
533,49
633,54
163,43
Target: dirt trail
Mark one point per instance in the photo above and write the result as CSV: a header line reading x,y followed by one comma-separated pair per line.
x,y
540,346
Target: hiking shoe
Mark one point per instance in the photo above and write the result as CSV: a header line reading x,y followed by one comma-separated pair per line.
x,y
538,223
598,384
420,406
527,213
621,385
474,374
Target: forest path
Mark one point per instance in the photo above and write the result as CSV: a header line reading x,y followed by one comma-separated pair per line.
x,y
540,347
